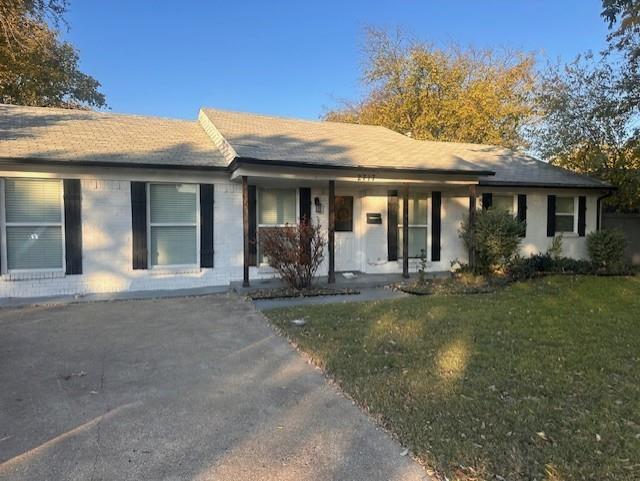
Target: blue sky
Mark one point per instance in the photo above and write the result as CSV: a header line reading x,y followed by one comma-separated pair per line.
x,y
292,58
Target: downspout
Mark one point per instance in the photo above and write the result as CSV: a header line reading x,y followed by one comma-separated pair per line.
x,y
599,207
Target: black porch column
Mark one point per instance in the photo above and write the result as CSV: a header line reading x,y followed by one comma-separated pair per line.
x,y
405,232
245,229
472,220
332,231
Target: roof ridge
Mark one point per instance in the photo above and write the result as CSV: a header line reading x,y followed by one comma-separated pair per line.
x,y
98,113
296,119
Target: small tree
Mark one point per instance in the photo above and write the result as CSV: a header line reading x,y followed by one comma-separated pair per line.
x,y
295,252
494,236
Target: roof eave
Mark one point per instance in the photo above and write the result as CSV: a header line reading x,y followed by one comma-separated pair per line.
x,y
106,163
240,161
543,185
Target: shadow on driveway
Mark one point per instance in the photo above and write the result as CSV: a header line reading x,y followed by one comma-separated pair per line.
x,y
196,388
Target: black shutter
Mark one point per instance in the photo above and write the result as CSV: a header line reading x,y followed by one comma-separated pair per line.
x,y
139,224
522,213
305,204
582,215
253,227
305,217
73,225
206,225
436,225
392,225
551,215
487,200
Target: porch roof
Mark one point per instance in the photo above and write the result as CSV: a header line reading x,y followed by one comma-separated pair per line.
x,y
262,140
255,139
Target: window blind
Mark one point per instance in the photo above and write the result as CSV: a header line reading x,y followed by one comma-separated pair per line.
x,y
173,224
173,245
33,224
417,209
417,225
277,207
31,200
173,203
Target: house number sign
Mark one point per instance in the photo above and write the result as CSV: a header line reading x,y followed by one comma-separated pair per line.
x,y
366,177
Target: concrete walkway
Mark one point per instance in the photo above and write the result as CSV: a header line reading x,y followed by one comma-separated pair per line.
x,y
196,388
366,294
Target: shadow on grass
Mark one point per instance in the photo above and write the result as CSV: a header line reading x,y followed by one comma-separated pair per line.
x,y
539,381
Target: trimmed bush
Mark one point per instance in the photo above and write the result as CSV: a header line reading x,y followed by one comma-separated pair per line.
x,y
606,250
494,237
522,268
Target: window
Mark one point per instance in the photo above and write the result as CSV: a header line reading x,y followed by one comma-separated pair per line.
x,y
417,225
173,224
276,208
504,202
565,214
344,214
34,224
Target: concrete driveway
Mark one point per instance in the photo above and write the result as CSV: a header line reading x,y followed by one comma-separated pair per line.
x,y
193,388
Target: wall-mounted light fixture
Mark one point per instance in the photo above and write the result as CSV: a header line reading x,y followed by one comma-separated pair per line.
x,y
316,202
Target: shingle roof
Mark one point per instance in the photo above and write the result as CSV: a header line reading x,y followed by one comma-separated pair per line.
x,y
517,168
351,145
330,143
84,136
219,137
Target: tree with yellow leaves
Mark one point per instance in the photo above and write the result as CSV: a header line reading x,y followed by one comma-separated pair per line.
x,y
453,94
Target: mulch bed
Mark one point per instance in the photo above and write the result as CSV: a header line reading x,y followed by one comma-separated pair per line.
x,y
286,292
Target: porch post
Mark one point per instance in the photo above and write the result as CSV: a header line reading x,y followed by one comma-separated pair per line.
x,y
245,230
405,232
332,231
472,220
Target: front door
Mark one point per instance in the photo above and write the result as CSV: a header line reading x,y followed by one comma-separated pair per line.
x,y
346,241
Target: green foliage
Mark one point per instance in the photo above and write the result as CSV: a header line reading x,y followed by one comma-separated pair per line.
x,y
494,236
422,267
585,128
36,67
606,249
555,250
539,377
453,94
523,268
623,17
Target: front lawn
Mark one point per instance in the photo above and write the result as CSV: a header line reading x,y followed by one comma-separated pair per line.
x,y
540,380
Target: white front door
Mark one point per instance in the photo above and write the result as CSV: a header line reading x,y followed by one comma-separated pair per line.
x,y
346,239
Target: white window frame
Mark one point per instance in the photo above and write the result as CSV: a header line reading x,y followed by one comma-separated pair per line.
x,y
258,225
5,224
150,266
566,214
426,226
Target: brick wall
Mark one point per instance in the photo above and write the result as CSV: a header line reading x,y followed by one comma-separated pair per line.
x,y
107,248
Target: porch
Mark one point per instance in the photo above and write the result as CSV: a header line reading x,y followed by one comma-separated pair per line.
x,y
379,224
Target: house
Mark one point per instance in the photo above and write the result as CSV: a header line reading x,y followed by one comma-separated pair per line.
x,y
101,202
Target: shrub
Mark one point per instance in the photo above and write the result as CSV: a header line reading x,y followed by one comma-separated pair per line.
x,y
422,268
555,250
606,250
295,252
522,268
494,237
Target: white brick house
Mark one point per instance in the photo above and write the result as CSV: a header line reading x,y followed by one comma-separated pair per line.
x,y
94,202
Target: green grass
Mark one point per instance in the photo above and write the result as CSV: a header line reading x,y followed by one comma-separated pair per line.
x,y
540,380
